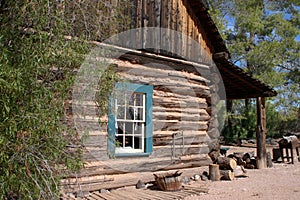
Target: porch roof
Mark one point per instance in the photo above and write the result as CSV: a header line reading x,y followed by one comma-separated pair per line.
x,y
238,83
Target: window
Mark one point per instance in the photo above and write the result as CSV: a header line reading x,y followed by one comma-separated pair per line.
x,y
130,120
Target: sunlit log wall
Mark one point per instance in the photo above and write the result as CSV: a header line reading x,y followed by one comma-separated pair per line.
x,y
181,98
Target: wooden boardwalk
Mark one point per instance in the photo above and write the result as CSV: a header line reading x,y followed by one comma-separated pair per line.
x,y
144,194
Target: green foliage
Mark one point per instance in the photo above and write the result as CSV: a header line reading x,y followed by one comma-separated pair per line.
x,y
240,122
261,34
261,37
105,89
39,52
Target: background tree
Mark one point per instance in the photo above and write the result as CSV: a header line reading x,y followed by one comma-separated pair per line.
x,y
39,55
263,38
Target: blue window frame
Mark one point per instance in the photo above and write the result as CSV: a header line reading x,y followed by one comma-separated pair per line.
x,y
130,120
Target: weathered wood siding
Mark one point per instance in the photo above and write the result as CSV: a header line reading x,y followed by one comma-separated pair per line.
x,y
170,15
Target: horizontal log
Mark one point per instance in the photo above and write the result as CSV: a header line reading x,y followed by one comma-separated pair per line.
x,y
90,119
226,163
162,134
96,171
176,86
118,182
196,138
158,152
101,147
194,92
96,148
183,89
201,111
84,180
95,141
166,151
143,164
192,158
175,126
101,132
181,116
129,179
227,175
94,155
170,63
204,162
124,166
85,127
166,92
177,104
160,69
189,76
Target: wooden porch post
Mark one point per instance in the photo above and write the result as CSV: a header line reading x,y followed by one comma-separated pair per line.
x,y
261,159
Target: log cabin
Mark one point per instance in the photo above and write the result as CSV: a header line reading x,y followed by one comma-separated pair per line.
x,y
165,115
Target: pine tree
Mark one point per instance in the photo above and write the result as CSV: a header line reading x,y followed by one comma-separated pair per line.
x,y
263,38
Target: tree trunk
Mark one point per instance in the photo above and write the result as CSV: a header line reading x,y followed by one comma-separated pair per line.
x,y
261,131
226,163
214,172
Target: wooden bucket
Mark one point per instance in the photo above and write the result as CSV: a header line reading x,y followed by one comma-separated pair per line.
x,y
168,181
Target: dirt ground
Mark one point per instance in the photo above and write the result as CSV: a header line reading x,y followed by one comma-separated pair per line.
x,y
282,181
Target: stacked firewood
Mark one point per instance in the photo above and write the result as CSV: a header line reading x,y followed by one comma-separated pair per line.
x,y
227,168
247,160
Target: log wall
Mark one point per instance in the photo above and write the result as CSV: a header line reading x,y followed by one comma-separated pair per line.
x,y
181,100
180,103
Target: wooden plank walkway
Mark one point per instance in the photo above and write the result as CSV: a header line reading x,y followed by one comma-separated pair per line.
x,y
136,194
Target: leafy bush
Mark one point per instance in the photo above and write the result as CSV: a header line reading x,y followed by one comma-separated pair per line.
x,y
37,63
241,122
